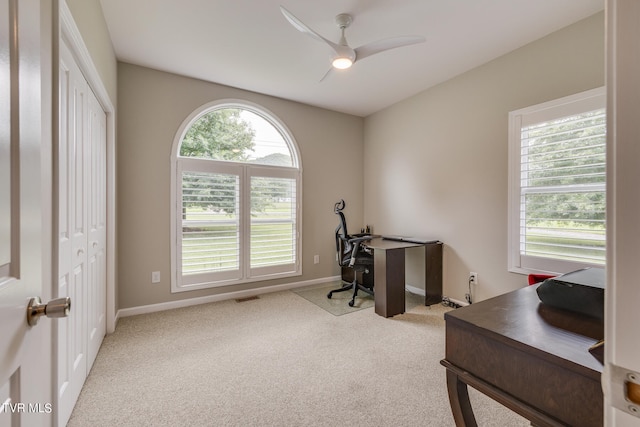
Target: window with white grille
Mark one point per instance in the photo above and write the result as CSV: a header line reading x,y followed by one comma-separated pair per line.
x,y
236,194
557,193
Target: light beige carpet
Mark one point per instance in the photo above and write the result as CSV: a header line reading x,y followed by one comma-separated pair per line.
x,y
279,360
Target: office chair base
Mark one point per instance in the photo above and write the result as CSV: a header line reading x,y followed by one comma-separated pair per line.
x,y
358,287
352,286
345,287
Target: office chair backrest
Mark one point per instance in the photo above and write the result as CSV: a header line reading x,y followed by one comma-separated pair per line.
x,y
337,208
350,256
343,246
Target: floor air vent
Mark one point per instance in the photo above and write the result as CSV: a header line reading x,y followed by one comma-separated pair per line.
x,y
247,298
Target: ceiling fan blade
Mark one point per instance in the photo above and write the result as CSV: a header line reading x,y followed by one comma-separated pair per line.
x,y
300,26
326,74
386,44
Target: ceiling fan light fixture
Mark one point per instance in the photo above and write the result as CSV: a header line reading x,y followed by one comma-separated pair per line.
x,y
342,63
344,55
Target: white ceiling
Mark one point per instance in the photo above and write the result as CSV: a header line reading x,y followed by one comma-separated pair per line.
x,y
248,44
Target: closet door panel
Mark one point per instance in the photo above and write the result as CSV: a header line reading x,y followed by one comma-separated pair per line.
x,y
96,301
72,166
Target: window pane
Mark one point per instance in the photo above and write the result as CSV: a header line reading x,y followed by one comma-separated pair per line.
x,y
238,135
273,221
237,219
270,147
220,135
563,188
569,226
210,225
568,151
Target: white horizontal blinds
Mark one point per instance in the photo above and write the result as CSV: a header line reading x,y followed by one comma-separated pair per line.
x,y
562,188
237,183
210,222
273,221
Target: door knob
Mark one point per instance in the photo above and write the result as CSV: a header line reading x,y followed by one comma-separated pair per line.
x,y
56,308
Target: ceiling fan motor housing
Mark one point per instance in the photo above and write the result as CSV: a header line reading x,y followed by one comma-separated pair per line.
x,y
343,20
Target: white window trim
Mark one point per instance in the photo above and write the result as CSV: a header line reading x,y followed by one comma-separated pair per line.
x,y
574,104
246,275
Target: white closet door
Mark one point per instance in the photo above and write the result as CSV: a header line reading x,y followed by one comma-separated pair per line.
x,y
97,209
72,233
81,231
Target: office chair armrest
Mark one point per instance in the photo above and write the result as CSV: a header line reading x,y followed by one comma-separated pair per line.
x,y
370,236
357,238
356,246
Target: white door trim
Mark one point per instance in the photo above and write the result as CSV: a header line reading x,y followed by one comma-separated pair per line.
x,y
70,33
26,197
622,347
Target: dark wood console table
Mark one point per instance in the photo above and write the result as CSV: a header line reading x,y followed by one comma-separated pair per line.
x,y
389,274
531,358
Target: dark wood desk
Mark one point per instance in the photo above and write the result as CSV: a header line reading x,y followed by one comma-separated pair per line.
x,y
389,274
529,357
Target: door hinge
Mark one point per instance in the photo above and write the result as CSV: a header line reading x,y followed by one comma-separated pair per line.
x,y
624,389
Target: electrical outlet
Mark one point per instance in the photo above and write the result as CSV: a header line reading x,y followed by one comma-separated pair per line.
x,y
316,259
473,278
155,277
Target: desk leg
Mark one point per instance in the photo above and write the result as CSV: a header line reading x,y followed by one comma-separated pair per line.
x,y
459,400
389,281
433,273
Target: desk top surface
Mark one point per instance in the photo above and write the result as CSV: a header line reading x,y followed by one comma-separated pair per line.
x,y
520,319
382,243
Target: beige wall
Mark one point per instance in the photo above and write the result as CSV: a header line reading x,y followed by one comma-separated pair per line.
x,y
88,16
151,107
436,163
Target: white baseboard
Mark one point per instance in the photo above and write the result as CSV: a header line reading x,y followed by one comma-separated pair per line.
x,y
151,308
420,291
414,290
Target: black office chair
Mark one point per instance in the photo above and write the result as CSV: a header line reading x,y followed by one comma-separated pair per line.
x,y
351,254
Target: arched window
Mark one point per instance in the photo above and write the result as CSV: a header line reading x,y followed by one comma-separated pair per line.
x,y
236,197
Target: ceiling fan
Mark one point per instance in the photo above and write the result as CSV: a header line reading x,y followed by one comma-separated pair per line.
x,y
345,56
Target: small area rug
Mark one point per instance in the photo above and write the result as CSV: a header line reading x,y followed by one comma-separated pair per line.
x,y
338,305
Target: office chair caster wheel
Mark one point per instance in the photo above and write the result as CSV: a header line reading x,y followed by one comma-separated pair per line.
x,y
329,295
351,303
